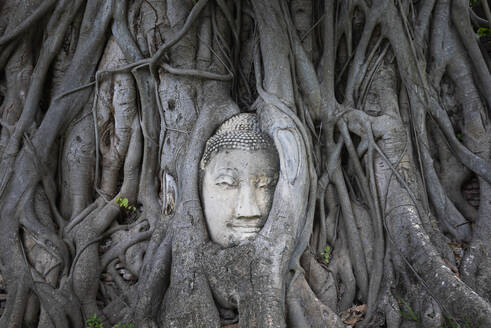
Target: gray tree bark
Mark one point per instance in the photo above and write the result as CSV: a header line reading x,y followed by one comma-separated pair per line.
x,y
380,114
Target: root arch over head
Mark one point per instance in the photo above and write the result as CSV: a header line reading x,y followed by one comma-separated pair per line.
x,y
379,111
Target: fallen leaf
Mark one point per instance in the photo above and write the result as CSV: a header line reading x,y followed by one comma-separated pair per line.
x,y
353,315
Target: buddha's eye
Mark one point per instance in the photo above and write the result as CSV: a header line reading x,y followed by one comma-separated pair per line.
x,y
265,182
226,181
262,185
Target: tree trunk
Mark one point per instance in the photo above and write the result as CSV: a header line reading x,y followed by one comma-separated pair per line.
x,y
379,113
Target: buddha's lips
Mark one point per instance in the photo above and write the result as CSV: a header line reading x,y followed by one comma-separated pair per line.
x,y
247,229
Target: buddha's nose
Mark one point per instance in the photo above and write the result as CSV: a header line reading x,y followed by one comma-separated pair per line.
x,y
247,207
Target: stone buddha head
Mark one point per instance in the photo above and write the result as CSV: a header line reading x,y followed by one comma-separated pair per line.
x,y
240,168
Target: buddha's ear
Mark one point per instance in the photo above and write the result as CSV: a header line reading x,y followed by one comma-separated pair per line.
x,y
291,200
287,139
288,144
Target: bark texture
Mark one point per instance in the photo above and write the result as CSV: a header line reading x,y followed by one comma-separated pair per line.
x,y
379,111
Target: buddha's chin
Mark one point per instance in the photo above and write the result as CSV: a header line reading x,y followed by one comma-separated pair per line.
x,y
245,233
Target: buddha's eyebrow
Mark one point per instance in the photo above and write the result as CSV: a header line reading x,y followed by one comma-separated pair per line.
x,y
227,170
268,177
271,175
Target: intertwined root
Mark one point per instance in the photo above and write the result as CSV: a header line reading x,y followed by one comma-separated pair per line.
x,y
379,113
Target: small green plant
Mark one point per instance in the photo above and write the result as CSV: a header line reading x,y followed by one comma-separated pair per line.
x,y
95,322
123,202
483,31
473,3
408,311
327,254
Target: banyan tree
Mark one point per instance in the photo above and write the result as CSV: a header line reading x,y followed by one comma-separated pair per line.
x,y
349,132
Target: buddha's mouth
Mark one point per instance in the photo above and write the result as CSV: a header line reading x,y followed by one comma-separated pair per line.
x,y
247,226
247,229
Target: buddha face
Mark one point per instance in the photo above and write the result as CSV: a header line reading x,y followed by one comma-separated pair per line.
x,y
237,192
